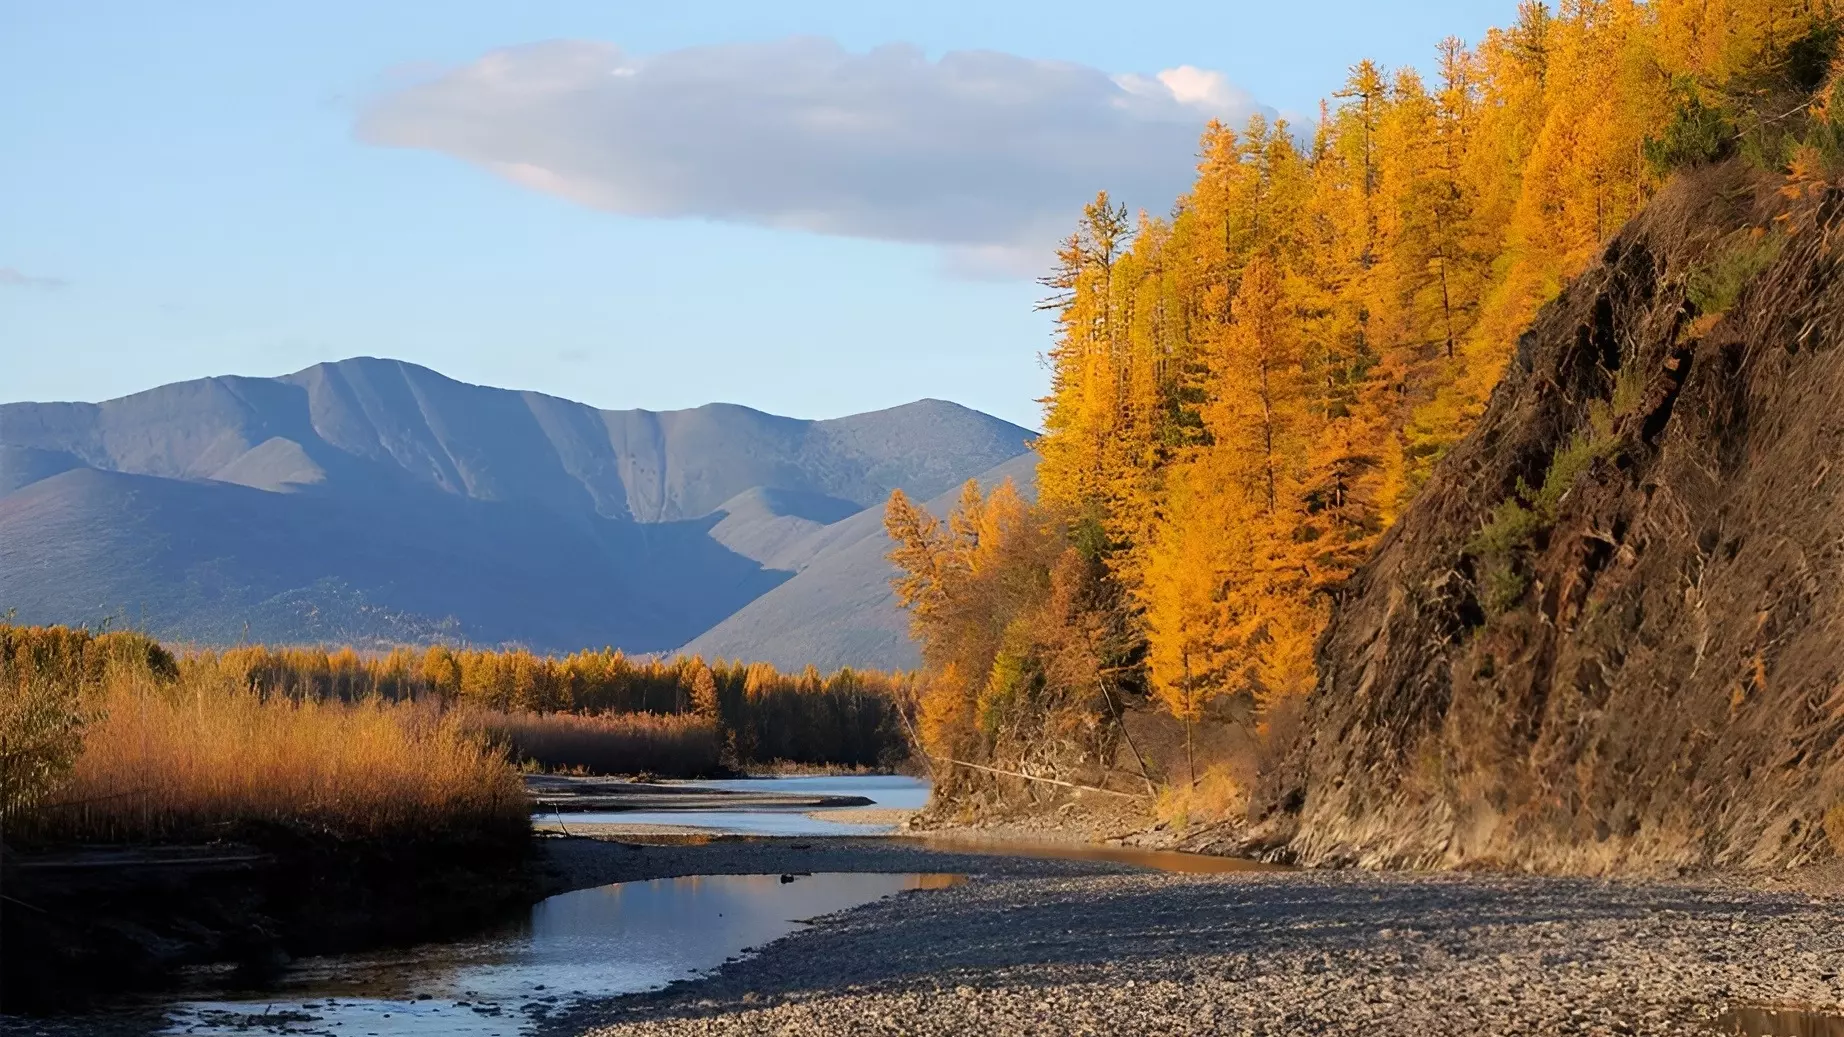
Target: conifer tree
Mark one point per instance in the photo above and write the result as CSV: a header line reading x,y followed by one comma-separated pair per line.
x,y
1246,393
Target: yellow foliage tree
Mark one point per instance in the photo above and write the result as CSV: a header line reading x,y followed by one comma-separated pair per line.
x,y
1246,391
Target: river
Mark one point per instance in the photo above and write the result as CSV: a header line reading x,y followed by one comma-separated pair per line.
x,y
615,939
1256,953
891,792
627,937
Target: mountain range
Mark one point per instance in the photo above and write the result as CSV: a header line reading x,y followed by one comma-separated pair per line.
x,y
375,502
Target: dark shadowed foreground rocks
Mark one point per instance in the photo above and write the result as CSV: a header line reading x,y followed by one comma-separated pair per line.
x,y
1268,954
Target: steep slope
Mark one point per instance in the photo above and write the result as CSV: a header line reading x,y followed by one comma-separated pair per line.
x,y
23,466
1641,669
379,502
840,607
770,526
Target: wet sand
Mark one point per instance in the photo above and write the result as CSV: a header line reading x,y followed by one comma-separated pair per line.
x,y
880,817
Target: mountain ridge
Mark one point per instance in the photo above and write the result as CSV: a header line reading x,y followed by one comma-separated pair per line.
x,y
381,486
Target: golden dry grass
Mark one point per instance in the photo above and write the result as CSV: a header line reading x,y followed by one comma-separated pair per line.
x,y
1215,796
110,737
200,754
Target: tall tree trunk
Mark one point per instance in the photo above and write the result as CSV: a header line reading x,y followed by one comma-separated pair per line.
x,y
1267,434
1446,301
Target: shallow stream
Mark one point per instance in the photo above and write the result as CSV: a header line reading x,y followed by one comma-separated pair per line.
x,y
616,939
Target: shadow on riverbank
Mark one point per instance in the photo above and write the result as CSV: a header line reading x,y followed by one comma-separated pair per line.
x,y
81,924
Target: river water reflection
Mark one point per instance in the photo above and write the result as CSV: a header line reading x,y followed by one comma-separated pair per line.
x,y
617,939
891,792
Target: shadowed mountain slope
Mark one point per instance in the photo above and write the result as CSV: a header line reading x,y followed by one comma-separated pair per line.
x,y
375,501
840,607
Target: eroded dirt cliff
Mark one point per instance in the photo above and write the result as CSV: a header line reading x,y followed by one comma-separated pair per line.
x,y
1635,664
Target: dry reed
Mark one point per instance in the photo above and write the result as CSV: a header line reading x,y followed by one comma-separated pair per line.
x,y
198,754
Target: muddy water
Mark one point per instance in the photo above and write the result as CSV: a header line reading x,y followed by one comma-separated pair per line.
x,y
616,939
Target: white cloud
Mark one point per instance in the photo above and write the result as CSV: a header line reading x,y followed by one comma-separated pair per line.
x,y
1210,91
20,279
986,154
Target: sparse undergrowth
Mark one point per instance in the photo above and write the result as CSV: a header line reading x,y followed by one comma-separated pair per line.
x,y
1519,520
1714,286
1834,828
1216,795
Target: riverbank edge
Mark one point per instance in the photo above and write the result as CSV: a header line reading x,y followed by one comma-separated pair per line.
x,y
87,925
83,925
1087,821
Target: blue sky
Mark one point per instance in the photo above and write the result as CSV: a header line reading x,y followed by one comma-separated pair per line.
x,y
204,188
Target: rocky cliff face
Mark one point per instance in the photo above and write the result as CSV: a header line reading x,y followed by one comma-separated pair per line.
x,y
1609,634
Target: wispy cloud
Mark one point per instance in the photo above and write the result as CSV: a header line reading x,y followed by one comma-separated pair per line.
x,y
19,279
988,155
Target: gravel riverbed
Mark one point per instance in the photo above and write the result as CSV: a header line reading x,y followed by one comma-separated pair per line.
x,y
1041,946
1083,948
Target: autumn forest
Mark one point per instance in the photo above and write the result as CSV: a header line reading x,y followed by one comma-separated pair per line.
x,y
1249,388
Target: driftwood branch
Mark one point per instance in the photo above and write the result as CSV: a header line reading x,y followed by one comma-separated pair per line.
x,y
1121,722
915,741
1033,777
555,810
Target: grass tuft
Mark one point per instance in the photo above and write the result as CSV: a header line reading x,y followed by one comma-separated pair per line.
x,y
1215,796
1834,828
1518,520
1715,286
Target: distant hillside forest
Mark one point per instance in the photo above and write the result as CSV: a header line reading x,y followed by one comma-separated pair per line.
x,y
1249,389
762,715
